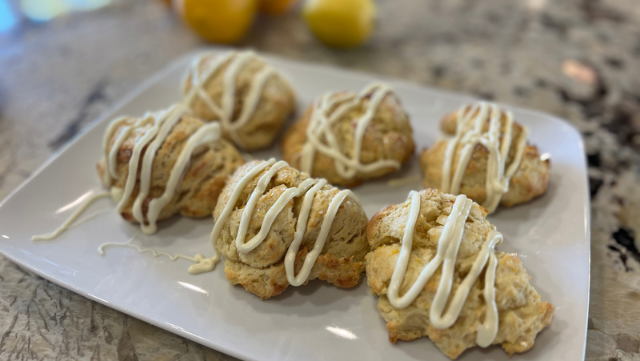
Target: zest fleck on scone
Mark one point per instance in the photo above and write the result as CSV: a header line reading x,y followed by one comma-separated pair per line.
x,y
487,158
348,138
164,163
277,227
249,98
435,270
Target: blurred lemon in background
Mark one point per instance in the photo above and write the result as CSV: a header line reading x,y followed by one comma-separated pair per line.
x,y
340,23
219,21
276,7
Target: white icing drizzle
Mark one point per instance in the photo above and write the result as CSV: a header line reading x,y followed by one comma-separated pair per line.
x,y
159,127
497,181
446,255
308,188
71,219
329,109
236,61
201,264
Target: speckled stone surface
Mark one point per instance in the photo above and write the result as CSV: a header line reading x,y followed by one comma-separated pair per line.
x,y
577,59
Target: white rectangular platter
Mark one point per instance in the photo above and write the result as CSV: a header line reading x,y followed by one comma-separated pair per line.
x,y
318,321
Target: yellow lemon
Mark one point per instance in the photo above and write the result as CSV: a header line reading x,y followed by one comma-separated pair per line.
x,y
276,7
340,23
219,21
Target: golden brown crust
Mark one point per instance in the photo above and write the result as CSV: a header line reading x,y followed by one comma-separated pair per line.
x,y
521,312
388,136
197,194
530,180
277,102
271,281
261,271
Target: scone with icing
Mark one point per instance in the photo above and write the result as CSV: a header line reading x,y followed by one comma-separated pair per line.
x,y
164,163
437,275
487,158
348,137
278,227
249,98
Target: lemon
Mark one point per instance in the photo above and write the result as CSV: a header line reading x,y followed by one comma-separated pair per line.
x,y
276,7
340,23
219,21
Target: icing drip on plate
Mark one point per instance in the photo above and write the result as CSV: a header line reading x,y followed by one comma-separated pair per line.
x,y
158,127
67,223
446,255
328,110
201,264
497,181
308,188
235,63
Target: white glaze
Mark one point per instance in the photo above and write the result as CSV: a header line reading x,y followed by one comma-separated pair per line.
x,y
329,109
159,127
497,179
308,188
111,156
71,219
201,264
170,120
206,134
446,255
236,61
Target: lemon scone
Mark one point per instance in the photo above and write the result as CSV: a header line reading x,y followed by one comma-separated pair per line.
x,y
487,158
164,163
435,270
249,98
278,227
348,137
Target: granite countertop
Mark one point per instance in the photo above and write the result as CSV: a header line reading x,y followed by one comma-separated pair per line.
x,y
578,59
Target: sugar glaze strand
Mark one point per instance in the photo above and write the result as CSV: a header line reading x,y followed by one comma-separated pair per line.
x,y
235,63
308,188
497,178
329,109
446,255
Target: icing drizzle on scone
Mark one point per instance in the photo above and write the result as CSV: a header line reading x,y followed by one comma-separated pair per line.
x,y
159,126
307,188
446,255
329,109
497,181
235,63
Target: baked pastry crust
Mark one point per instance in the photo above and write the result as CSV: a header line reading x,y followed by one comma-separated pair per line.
x,y
276,97
522,315
196,196
261,271
530,180
388,136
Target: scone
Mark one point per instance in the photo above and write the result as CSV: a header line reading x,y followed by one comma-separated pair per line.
x,y
249,98
435,243
165,163
487,158
277,227
348,138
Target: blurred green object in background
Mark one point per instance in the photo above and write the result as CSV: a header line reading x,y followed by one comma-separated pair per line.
x,y
44,10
